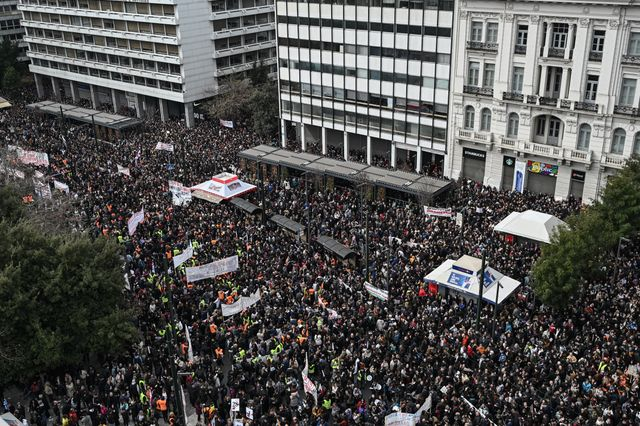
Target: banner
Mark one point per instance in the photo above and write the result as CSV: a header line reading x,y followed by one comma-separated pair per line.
x,y
376,292
518,176
123,170
190,348
309,386
164,147
43,190
241,304
183,257
400,419
32,157
135,219
459,220
226,123
435,211
542,168
181,195
213,269
61,186
424,407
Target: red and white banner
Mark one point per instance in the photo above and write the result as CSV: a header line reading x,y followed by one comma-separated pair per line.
x,y
32,157
436,211
309,386
135,220
164,147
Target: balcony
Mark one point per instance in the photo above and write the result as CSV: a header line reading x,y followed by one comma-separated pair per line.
x,y
613,160
532,99
631,59
595,56
481,91
520,49
565,103
626,110
250,29
508,143
544,100
578,156
512,96
550,151
586,106
555,52
484,138
479,45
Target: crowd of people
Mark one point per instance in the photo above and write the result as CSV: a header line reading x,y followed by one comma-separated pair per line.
x,y
367,357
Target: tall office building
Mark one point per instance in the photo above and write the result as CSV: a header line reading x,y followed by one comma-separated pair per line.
x,y
547,88
10,28
162,55
367,76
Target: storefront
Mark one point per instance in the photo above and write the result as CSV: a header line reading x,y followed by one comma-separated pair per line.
x,y
473,164
576,187
541,177
508,167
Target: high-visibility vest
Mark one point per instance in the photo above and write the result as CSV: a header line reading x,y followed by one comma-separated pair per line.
x,y
219,353
143,398
312,368
326,404
213,328
162,332
161,405
602,366
335,363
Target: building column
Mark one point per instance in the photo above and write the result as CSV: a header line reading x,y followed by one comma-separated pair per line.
x,y
564,82
188,114
95,100
563,182
164,110
531,69
74,91
547,43
393,155
114,100
345,146
303,137
39,85
543,80
568,50
324,141
418,159
283,133
576,84
55,84
139,103
369,153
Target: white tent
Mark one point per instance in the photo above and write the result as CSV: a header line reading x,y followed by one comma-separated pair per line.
x,y
463,275
8,419
530,224
223,186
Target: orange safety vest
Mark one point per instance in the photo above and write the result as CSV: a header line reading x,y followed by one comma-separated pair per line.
x,y
221,295
219,353
229,300
213,328
161,405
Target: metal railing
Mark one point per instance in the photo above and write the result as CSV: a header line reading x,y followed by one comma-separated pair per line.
x,y
512,96
586,106
475,90
626,110
631,59
479,45
595,56
520,49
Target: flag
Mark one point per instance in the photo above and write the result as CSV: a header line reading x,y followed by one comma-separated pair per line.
x,y
123,170
164,146
309,386
226,123
61,186
190,350
135,219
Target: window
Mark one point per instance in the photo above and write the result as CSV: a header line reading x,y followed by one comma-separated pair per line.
x,y
636,145
597,43
523,35
628,91
492,32
634,44
469,117
518,78
554,128
474,74
559,36
489,73
541,125
584,137
485,120
617,142
514,123
591,89
476,31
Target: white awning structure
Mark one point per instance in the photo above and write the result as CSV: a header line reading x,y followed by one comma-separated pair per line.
x,y
530,224
4,103
463,275
223,186
8,419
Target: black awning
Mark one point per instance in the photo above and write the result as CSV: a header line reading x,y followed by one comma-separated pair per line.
x,y
288,224
335,247
245,205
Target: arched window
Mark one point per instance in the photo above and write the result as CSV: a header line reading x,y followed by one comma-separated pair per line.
x,y
617,142
584,137
485,120
636,145
469,117
514,123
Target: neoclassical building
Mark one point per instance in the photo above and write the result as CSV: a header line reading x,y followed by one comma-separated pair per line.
x,y
545,87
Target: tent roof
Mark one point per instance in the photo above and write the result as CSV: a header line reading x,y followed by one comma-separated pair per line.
x,y
4,103
10,420
456,276
335,247
223,186
530,224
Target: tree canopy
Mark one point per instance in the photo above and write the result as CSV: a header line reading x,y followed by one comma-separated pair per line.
x,y
61,296
578,254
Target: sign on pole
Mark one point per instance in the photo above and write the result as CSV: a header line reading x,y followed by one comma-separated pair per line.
x,y
235,405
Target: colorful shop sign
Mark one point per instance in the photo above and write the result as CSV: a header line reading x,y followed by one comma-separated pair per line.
x,y
542,168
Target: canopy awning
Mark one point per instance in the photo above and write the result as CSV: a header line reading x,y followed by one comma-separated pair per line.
x,y
530,224
4,103
288,224
245,205
223,186
86,115
463,275
340,250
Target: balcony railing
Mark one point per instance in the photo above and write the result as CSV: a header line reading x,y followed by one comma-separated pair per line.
x,y
565,103
520,49
549,101
613,160
479,45
595,56
578,156
532,99
626,110
586,106
555,52
479,137
555,152
631,59
512,96
475,90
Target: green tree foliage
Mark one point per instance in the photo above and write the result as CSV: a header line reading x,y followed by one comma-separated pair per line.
x,y
10,79
61,297
577,254
264,110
